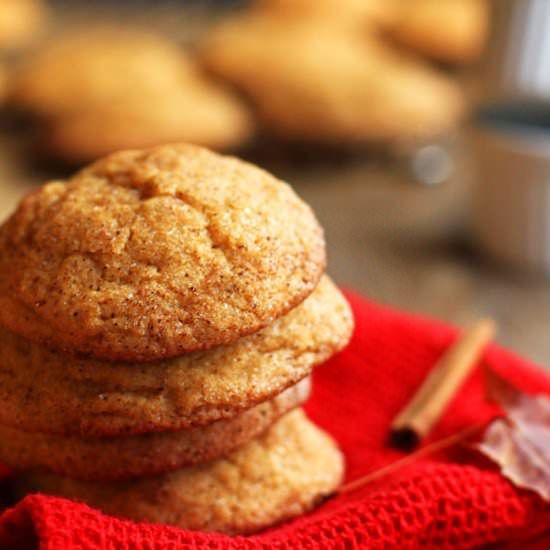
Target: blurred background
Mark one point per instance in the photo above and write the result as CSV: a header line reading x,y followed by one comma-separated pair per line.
x,y
418,130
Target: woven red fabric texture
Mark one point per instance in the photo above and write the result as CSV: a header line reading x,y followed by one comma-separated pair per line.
x,y
449,501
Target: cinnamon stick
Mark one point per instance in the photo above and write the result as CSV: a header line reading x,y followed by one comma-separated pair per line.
x,y
430,449
418,417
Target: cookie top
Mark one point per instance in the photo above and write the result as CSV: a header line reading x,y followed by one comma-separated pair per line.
x,y
313,82
136,456
149,254
42,391
275,477
88,68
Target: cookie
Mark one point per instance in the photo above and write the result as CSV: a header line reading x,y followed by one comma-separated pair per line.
x,y
312,82
149,254
202,114
143,455
452,31
42,391
20,22
108,89
275,477
82,70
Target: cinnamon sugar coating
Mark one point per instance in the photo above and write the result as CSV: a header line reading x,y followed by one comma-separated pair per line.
x,y
148,254
43,391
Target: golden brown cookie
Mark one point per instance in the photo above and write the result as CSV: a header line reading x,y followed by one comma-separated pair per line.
x,y
148,254
275,477
202,114
453,31
109,89
20,22
143,455
41,391
313,82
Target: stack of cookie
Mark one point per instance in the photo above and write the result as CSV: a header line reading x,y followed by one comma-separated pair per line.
x,y
161,313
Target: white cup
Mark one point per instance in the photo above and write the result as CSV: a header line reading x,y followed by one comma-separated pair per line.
x,y
511,192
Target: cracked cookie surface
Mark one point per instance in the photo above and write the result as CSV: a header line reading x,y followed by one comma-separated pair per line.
x,y
43,391
148,254
272,478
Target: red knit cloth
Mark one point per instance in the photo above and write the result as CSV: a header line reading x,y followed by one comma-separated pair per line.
x,y
450,501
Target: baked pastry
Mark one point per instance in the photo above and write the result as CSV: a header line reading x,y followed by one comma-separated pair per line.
x,y
43,391
150,254
20,22
202,114
107,89
313,82
162,313
88,68
115,458
275,477
453,31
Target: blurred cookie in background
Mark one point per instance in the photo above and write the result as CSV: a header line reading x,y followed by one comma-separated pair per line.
x,y
20,22
450,31
313,82
100,90
202,114
354,13
282,474
89,67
